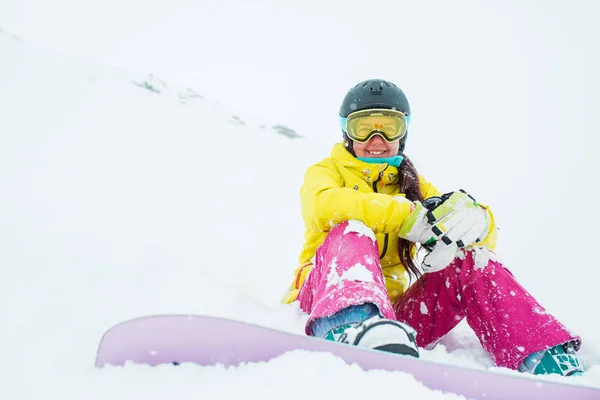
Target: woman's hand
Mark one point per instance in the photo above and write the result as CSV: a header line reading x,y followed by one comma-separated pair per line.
x,y
456,217
439,257
416,226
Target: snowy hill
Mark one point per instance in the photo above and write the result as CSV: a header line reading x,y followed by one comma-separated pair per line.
x,y
124,195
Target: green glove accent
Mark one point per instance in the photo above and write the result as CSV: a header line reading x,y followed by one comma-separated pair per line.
x,y
415,227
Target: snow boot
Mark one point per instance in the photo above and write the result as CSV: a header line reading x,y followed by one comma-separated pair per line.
x,y
561,360
363,326
378,333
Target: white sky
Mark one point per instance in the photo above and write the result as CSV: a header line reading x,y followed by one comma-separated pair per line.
x,y
287,59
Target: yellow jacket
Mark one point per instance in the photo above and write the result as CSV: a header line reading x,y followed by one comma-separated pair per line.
x,y
341,188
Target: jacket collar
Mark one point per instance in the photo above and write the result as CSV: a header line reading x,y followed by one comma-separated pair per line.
x,y
369,172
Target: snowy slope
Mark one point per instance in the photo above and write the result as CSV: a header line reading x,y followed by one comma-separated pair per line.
x,y
123,195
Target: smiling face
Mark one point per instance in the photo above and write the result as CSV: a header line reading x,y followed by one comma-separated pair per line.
x,y
376,147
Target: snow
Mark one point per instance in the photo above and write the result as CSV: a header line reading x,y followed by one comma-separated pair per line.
x,y
482,257
357,272
360,228
144,170
333,278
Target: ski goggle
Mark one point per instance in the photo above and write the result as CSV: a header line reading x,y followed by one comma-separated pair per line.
x,y
361,126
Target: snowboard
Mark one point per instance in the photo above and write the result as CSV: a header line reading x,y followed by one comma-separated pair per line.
x,y
205,340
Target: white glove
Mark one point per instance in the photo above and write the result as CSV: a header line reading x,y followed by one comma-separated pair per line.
x,y
439,258
458,219
416,226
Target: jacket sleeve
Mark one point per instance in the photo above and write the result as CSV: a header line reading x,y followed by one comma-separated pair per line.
x,y
427,188
326,203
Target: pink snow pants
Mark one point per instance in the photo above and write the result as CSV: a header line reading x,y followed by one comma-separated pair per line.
x,y
508,321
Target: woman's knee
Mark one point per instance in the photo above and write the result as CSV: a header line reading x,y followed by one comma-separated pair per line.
x,y
352,226
480,259
482,265
350,240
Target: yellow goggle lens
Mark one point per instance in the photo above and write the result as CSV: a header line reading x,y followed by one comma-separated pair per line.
x,y
361,126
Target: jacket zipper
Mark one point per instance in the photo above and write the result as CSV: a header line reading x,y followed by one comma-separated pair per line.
x,y
386,236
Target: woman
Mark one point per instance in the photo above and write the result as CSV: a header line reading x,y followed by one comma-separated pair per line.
x,y
367,210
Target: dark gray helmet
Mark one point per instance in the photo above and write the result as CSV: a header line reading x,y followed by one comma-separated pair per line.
x,y
375,93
